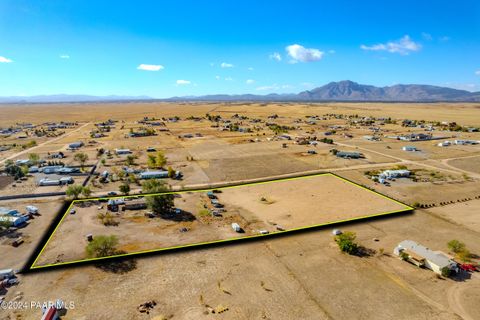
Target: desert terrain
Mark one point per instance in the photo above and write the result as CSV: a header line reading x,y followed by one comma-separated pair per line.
x,y
299,276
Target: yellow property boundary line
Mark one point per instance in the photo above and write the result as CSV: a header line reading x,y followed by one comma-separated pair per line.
x,y
199,244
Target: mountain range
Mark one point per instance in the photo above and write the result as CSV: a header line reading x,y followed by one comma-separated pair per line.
x,y
334,91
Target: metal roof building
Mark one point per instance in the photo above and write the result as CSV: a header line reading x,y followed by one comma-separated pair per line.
x,y
433,260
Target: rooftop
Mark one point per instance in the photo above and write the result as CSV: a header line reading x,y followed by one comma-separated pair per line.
x,y
437,258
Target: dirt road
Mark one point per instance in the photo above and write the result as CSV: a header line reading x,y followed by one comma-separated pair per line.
x,y
455,296
43,144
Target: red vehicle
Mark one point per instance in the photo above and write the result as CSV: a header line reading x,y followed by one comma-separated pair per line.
x,y
468,267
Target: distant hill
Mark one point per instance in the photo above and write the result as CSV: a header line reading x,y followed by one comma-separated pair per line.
x,y
351,91
57,98
334,91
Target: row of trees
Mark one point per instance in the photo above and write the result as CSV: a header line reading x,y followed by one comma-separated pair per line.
x,y
75,190
158,160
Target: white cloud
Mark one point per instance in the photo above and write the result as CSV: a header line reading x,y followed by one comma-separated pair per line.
x,y
332,51
183,82
299,53
444,38
275,56
226,65
228,79
5,60
250,81
64,56
217,77
250,69
477,72
403,46
150,67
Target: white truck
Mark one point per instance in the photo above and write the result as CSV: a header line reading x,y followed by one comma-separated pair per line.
x,y
32,210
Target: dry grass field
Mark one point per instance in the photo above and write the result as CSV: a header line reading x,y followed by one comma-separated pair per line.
x,y
300,276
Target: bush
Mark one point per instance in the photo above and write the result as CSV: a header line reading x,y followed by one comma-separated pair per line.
x,y
446,272
102,246
456,246
346,242
74,191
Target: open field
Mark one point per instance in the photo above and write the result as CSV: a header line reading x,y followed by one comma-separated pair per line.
x,y
471,164
274,206
466,113
299,276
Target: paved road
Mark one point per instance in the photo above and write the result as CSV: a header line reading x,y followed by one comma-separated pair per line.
x,y
43,144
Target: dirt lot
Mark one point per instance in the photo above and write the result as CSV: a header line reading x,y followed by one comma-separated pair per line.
x,y
288,204
469,164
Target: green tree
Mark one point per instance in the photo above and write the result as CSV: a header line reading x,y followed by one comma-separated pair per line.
x,y
464,255
171,172
346,242
124,188
159,204
15,171
33,158
161,159
151,161
86,192
456,246
24,170
102,246
130,160
81,158
74,191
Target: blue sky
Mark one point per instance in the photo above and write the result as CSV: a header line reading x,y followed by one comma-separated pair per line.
x,y
165,49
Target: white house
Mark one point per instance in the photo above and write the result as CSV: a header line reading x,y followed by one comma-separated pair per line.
x,y
122,151
465,142
55,182
424,257
391,174
409,148
153,174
